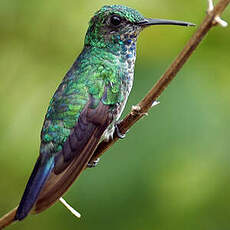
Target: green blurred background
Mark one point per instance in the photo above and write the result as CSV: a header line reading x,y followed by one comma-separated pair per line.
x,y
172,170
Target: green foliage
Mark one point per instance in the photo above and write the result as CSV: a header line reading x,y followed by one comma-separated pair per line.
x,y
172,169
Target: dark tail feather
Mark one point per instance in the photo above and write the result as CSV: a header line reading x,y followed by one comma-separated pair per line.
x,y
37,179
56,185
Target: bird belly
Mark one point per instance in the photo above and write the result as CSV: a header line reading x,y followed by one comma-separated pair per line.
x,y
127,87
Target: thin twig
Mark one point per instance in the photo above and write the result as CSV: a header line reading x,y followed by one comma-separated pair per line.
x,y
72,210
212,19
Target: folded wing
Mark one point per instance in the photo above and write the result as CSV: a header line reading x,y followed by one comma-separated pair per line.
x,y
76,152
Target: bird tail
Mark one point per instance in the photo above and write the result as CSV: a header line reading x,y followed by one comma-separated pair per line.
x,y
37,179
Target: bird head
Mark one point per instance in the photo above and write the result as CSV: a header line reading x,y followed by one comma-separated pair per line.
x,y
114,24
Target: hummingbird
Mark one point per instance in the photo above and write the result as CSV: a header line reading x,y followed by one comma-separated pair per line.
x,y
87,104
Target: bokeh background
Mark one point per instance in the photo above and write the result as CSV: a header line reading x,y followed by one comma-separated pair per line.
x,y
172,170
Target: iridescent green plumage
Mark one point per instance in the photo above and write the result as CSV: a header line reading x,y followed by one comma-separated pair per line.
x,y
102,62
86,105
88,76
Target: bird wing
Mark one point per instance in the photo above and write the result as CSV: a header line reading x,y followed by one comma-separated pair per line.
x,y
76,152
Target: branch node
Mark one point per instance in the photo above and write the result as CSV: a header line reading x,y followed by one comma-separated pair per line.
x,y
217,19
155,103
136,109
220,21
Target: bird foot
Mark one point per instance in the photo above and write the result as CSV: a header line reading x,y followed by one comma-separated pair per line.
x,y
93,164
114,130
118,132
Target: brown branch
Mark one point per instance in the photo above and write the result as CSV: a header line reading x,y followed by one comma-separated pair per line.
x,y
8,218
145,104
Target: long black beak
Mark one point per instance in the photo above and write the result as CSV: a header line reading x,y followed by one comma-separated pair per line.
x,y
153,21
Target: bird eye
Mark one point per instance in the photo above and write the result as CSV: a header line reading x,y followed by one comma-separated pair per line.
x,y
115,20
